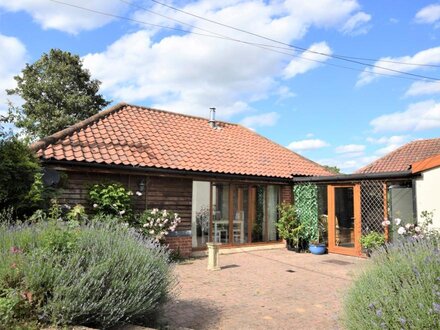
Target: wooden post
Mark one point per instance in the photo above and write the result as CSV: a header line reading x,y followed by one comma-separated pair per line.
x,y
385,210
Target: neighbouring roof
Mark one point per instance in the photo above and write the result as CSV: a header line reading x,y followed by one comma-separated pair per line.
x,y
402,158
144,137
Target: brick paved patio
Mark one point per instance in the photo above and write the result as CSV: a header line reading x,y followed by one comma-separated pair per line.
x,y
266,289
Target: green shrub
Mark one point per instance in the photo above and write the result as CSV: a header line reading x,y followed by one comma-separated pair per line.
x,y
399,289
372,240
289,226
93,275
111,198
18,167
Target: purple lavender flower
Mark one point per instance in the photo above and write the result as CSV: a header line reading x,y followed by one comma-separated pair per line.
x,y
416,271
379,313
436,307
402,320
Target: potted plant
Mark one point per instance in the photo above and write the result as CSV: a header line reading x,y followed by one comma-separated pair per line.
x,y
319,245
372,241
289,227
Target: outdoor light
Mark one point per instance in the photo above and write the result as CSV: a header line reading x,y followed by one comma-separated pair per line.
x,y
142,185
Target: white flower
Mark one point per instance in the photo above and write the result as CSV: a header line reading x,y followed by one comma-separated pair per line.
x,y
95,205
386,223
138,193
145,225
397,221
401,231
130,193
151,231
154,211
122,212
408,226
418,229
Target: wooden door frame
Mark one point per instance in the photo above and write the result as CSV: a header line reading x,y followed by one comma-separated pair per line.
x,y
332,247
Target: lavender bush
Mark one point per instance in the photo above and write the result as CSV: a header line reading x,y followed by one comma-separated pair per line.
x,y
398,289
96,275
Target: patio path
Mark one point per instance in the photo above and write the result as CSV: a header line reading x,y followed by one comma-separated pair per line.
x,y
265,289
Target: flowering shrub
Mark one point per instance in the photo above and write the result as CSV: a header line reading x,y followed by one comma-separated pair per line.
x,y
157,223
415,231
111,198
398,289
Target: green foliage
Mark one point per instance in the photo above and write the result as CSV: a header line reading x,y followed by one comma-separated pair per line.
x,y
111,198
333,169
398,289
18,168
289,227
92,275
306,204
372,240
58,92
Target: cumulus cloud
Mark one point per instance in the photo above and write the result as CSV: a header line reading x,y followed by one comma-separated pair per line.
x,y
423,88
348,165
308,144
350,148
308,60
419,116
429,56
428,15
264,119
389,143
52,15
12,60
190,73
356,24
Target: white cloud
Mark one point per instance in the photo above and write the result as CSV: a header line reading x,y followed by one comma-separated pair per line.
x,y
307,61
310,135
407,64
356,24
423,88
395,139
348,165
350,148
51,15
309,144
264,119
390,143
428,15
419,116
189,73
12,60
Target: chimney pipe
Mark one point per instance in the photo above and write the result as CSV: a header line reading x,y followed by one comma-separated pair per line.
x,y
212,118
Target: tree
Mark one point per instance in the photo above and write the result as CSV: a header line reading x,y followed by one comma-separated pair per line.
x,y
57,91
18,168
333,169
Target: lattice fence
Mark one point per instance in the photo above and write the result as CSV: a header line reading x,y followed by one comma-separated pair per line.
x,y
306,197
372,206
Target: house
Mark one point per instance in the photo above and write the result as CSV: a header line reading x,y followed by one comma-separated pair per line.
x,y
223,179
401,184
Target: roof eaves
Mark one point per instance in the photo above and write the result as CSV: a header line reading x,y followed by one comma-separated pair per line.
x,y
51,139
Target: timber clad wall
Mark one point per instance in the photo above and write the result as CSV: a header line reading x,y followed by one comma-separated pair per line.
x,y
173,194
286,194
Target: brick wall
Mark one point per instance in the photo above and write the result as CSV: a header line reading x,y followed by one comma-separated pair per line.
x,y
183,244
286,194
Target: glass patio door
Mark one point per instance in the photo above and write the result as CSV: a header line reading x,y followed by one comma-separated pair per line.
x,y
344,222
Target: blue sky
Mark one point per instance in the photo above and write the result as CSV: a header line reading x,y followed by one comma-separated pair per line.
x,y
335,116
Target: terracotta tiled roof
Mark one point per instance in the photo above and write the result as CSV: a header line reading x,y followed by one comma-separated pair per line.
x,y
402,158
138,136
